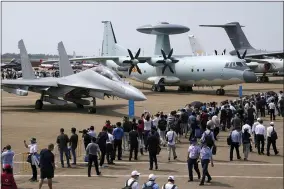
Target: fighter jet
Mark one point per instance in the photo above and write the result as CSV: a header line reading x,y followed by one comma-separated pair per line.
x,y
263,66
242,46
96,83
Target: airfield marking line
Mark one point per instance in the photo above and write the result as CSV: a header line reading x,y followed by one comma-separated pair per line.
x,y
181,163
177,176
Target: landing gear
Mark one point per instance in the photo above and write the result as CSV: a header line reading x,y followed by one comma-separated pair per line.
x,y
185,88
158,88
80,106
220,92
263,79
93,110
39,102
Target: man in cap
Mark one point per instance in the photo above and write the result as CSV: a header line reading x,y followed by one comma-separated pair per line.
x,y
151,183
271,139
170,184
206,157
132,183
193,154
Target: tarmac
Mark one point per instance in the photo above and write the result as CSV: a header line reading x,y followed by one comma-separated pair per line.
x,y
20,121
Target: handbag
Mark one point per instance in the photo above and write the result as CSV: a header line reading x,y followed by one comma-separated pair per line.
x,y
29,158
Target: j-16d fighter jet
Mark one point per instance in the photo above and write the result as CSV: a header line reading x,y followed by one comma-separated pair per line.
x,y
96,82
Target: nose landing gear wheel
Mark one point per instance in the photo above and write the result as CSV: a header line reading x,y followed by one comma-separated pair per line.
x,y
92,110
161,88
154,88
220,92
80,106
38,105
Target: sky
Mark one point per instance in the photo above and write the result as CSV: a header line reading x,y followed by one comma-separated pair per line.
x,y
78,24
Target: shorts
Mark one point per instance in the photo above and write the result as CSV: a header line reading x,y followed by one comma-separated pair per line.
x,y
46,173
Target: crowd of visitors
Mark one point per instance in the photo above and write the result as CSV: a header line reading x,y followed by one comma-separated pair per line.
x,y
200,123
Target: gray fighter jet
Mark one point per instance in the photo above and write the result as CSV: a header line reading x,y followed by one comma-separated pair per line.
x,y
97,82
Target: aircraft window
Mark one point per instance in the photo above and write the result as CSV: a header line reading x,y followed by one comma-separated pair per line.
x,y
204,70
234,64
227,64
198,70
231,64
191,70
239,64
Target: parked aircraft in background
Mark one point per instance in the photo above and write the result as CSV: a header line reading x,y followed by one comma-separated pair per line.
x,y
96,83
242,46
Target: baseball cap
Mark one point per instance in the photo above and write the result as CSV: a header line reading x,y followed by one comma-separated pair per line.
x,y
152,177
272,123
135,173
171,178
258,119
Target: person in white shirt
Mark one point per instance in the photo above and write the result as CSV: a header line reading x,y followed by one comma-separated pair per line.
x,y
247,126
216,122
260,133
92,132
156,120
147,129
109,147
170,184
171,137
32,158
272,108
253,130
133,181
271,139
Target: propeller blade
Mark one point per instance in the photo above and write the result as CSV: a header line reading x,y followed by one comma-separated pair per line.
x,y
174,60
244,55
171,69
171,52
224,52
127,61
130,69
164,68
216,53
164,54
239,56
137,54
138,69
130,54
161,61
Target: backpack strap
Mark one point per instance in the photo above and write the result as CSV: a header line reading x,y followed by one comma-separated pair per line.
x,y
174,186
153,184
132,183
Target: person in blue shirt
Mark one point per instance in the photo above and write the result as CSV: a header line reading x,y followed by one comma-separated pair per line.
x,y
118,134
7,156
206,157
151,183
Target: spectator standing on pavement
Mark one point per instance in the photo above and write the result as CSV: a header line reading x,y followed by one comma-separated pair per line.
x,y
73,144
153,145
162,126
7,178
260,133
126,125
151,183
92,132
272,108
192,157
47,166
87,138
246,138
109,143
32,158
8,156
134,142
236,138
62,142
92,151
170,184
101,141
206,157
171,137
271,139
118,136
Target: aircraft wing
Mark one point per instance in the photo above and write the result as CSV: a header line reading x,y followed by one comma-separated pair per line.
x,y
97,59
273,53
29,82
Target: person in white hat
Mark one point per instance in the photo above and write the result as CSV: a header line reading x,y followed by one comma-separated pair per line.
x,y
151,183
271,139
170,184
253,130
132,183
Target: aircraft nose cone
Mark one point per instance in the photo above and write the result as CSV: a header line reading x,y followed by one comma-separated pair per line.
x,y
249,76
135,94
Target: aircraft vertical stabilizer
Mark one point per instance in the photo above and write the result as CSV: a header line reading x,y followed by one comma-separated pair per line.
x,y
110,46
27,70
65,68
236,35
74,56
196,48
162,42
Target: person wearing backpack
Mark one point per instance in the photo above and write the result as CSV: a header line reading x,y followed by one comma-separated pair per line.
x,y
192,157
246,138
236,140
170,184
271,139
132,183
151,183
208,137
171,137
162,126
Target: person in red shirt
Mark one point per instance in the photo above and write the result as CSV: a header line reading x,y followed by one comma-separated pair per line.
x,y
7,178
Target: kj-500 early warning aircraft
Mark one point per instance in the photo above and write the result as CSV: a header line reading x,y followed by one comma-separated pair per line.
x,y
96,83
261,61
167,69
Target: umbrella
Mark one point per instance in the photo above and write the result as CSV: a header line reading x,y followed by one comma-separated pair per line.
x,y
196,104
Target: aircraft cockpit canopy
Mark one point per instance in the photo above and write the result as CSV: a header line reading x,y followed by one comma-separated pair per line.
x,y
106,72
235,64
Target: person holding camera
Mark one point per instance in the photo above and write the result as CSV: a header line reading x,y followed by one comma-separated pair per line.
x,y
33,158
7,156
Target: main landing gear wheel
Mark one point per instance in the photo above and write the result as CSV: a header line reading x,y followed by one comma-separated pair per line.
x,y
80,106
220,92
159,88
185,88
92,110
38,105
263,79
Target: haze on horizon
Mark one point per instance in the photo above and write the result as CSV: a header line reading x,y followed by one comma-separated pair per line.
x,y
78,24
